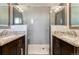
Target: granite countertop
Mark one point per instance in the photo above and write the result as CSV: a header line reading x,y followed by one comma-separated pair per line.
x,y
71,40
6,39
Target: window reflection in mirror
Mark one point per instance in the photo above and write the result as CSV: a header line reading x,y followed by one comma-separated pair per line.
x,y
17,20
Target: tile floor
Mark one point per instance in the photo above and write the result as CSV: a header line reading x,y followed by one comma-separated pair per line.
x,y
38,49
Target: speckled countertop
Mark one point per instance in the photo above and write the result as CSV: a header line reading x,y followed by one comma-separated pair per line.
x,y
71,40
65,37
7,39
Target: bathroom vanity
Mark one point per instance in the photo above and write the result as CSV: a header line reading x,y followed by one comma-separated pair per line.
x,y
13,45
64,41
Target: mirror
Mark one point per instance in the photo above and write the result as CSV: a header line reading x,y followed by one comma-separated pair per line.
x,y
60,16
17,16
74,15
4,15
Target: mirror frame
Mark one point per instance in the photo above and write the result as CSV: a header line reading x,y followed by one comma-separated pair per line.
x,y
9,17
70,25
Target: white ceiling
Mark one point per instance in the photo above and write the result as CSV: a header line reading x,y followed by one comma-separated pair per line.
x,y
40,4
24,6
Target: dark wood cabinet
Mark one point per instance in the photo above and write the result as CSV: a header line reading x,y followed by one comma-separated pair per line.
x,y
16,47
61,47
56,46
67,49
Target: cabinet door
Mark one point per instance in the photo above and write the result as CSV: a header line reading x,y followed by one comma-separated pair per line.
x,y
21,46
10,49
56,46
67,49
16,47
